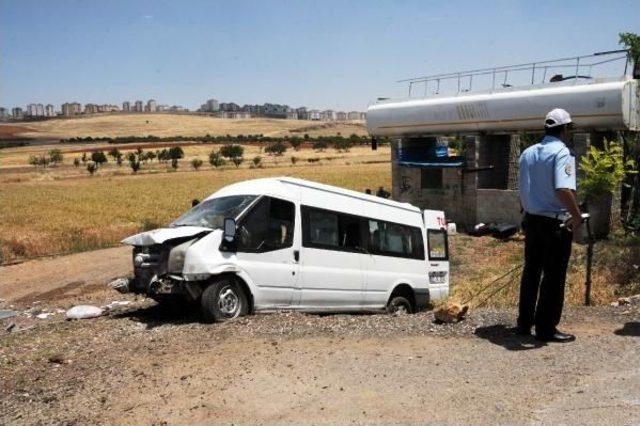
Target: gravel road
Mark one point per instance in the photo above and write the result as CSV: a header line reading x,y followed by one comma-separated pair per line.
x,y
147,365
144,364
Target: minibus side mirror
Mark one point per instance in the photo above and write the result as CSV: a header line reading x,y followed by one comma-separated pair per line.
x,y
229,229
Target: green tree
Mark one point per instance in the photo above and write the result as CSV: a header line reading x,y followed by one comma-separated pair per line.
x,y
257,161
76,162
174,163
232,151
98,157
175,153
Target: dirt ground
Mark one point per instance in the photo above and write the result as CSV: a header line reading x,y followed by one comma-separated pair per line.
x,y
146,364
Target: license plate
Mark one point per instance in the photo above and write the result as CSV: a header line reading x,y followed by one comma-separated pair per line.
x,y
437,277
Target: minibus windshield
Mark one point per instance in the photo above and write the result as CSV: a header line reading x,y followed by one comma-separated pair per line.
x,y
211,213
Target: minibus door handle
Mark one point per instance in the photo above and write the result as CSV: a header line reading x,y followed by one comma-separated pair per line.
x,y
296,255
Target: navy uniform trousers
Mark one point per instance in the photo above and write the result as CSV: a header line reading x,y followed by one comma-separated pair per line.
x,y
547,249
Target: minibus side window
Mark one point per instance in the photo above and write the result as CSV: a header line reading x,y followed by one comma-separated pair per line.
x,y
392,239
331,230
268,226
438,247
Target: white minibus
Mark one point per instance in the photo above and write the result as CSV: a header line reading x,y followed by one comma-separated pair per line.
x,y
291,244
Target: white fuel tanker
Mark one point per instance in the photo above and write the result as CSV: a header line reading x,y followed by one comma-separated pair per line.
x,y
599,104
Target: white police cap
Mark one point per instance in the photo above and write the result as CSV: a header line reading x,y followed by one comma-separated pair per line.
x,y
557,117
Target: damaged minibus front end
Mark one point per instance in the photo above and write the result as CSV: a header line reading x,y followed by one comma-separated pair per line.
x,y
175,262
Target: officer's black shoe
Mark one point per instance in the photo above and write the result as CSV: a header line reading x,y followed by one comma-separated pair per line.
x,y
556,336
522,331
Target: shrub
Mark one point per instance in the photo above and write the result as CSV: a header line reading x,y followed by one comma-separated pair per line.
x,y
215,159
174,163
76,162
196,163
295,143
604,170
257,161
342,145
92,167
55,156
237,161
320,145
277,148
294,160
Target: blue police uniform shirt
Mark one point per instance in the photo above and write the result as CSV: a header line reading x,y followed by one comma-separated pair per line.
x,y
545,167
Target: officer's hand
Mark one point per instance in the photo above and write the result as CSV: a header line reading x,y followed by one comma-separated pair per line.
x,y
574,223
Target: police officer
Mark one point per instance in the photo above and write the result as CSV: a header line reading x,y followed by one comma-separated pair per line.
x,y
547,193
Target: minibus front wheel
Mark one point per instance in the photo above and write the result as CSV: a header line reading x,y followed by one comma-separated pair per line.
x,y
399,305
223,300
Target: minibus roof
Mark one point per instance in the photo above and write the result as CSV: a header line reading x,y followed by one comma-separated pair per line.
x,y
281,187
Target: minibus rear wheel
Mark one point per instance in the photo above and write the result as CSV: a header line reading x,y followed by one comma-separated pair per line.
x,y
399,305
223,300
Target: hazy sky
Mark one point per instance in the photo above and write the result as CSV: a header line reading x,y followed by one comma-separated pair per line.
x,y
324,54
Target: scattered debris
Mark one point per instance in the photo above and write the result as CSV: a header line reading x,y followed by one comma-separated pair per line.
x,y
450,313
116,304
7,314
631,300
45,315
57,359
121,285
10,327
84,312
501,231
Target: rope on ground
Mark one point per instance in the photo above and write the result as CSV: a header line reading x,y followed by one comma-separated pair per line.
x,y
492,282
502,287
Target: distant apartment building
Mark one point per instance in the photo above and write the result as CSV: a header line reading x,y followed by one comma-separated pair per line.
x,y
353,115
71,108
328,115
212,105
314,115
91,109
49,111
229,106
238,115
163,108
138,106
126,106
341,116
17,113
275,110
178,108
292,114
152,105
4,114
39,110
31,110
302,113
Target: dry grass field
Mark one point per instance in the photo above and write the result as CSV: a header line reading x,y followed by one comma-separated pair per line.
x,y
163,125
57,211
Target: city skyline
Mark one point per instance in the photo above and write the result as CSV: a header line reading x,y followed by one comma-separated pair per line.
x,y
337,55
